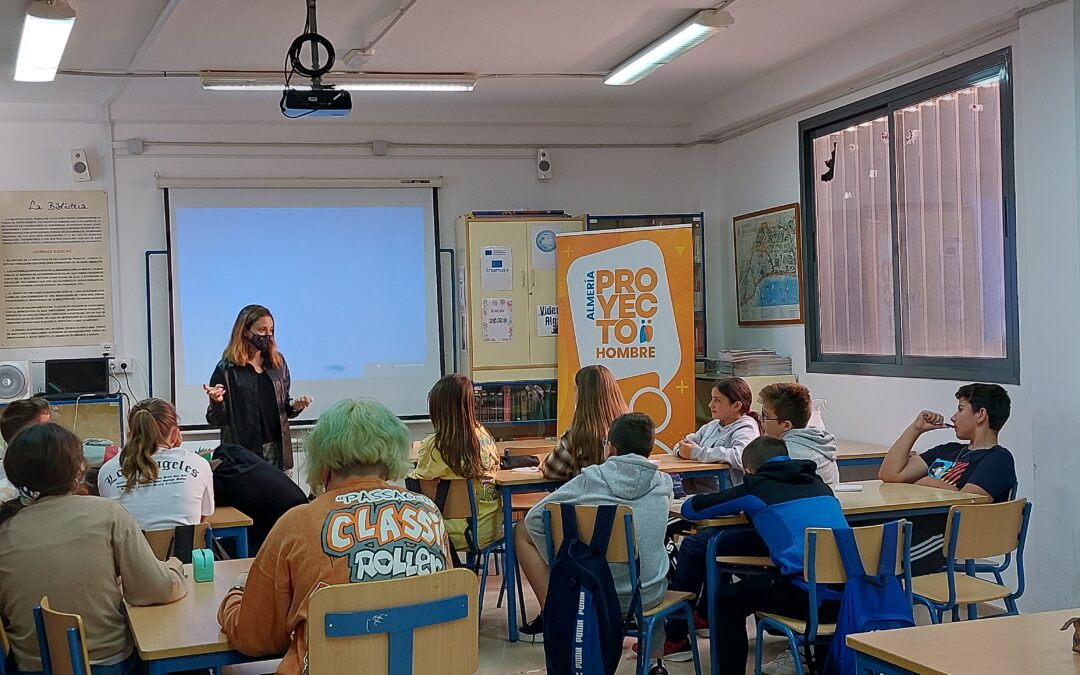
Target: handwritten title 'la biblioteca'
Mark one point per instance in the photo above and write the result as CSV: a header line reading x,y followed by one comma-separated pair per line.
x,y
622,302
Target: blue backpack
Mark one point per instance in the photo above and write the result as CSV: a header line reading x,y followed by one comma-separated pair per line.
x,y
583,625
869,602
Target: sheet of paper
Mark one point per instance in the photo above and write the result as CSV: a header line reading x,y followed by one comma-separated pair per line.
x,y
496,268
56,283
497,320
547,320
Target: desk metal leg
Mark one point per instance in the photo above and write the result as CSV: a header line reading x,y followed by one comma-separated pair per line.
x,y
242,543
712,585
509,565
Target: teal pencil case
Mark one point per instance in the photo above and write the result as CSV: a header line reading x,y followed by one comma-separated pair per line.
x,y
202,563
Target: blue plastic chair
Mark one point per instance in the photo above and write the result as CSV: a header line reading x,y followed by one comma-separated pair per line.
x,y
5,650
60,627
638,623
374,626
976,531
823,566
456,499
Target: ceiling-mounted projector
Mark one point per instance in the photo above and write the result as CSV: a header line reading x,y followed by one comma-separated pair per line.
x,y
323,102
314,99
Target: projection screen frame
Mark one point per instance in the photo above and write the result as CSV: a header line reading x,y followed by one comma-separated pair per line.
x,y
284,183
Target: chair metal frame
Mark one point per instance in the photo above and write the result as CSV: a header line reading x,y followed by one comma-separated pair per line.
x,y
971,568
810,638
477,558
75,643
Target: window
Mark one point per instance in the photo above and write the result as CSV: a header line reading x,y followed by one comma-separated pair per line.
x,y
909,239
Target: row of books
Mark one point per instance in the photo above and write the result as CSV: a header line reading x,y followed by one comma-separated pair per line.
x,y
751,362
516,403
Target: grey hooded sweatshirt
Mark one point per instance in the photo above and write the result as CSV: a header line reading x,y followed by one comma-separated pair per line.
x,y
817,445
632,480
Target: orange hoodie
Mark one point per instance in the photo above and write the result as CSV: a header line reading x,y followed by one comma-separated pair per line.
x,y
364,530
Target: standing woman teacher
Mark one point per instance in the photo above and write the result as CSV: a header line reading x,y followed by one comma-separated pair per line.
x,y
249,390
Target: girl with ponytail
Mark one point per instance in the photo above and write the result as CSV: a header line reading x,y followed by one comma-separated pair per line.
x,y
71,548
723,439
160,483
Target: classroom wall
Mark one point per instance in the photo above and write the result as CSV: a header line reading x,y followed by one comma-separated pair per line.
x,y
761,169
586,180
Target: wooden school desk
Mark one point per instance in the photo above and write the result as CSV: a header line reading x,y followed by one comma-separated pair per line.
x,y
857,453
231,523
1029,643
184,635
517,481
877,499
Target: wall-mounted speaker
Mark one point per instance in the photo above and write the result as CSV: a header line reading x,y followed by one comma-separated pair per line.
x,y
543,164
14,380
80,166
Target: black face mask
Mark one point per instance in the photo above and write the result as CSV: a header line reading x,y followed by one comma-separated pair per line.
x,y
260,342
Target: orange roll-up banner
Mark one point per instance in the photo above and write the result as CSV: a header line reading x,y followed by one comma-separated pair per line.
x,y
626,301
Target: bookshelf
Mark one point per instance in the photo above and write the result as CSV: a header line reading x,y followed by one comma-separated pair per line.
x,y
697,223
517,409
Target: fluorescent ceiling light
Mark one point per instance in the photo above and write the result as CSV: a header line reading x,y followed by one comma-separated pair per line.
x,y
226,81
682,39
44,37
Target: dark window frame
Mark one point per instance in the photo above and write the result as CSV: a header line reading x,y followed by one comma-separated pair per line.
x,y
1000,370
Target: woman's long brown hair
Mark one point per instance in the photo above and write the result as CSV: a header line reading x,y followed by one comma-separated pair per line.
x,y
239,351
45,460
452,406
151,424
599,402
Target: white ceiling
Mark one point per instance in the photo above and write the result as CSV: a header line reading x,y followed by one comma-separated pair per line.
x,y
484,36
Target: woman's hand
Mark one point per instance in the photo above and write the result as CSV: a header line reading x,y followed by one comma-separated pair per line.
x,y
300,404
216,393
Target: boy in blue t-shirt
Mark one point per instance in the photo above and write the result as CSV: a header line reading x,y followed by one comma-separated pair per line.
x,y
977,466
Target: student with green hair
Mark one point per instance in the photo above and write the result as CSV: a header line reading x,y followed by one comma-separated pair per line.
x,y
358,528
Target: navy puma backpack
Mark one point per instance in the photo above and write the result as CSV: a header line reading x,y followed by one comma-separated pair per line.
x,y
583,625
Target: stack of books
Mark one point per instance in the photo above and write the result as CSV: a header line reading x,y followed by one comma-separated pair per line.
x,y
752,362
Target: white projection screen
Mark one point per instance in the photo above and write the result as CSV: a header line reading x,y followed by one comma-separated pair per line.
x,y
350,275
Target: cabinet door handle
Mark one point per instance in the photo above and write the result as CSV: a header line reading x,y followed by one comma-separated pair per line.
x,y
532,279
523,278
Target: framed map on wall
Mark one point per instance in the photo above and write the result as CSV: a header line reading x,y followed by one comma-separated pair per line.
x,y
768,267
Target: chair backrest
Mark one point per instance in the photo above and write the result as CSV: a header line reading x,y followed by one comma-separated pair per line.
x,y
61,641
618,551
458,502
422,624
984,530
827,566
161,541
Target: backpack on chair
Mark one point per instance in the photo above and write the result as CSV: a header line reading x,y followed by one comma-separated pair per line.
x,y
583,624
870,601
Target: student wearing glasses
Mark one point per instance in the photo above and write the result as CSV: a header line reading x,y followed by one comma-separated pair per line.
x,y
785,411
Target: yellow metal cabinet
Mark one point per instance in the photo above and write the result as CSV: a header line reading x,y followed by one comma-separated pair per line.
x,y
526,246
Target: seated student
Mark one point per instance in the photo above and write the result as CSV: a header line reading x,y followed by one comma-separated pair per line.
x,y
71,548
733,425
785,409
353,450
462,448
256,487
597,401
627,477
160,483
19,414
772,479
979,465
